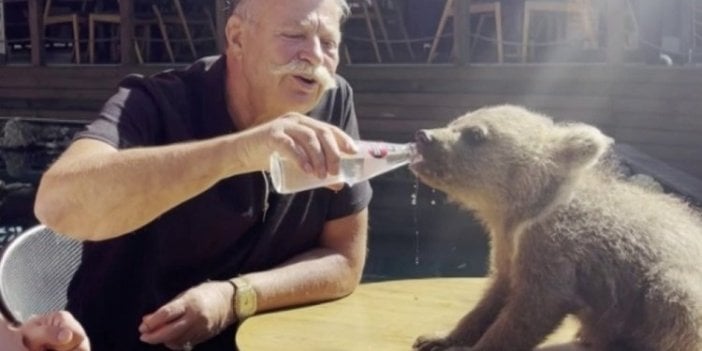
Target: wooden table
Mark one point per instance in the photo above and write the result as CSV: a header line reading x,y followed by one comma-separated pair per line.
x,y
383,316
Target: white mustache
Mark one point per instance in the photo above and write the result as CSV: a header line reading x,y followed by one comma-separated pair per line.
x,y
302,68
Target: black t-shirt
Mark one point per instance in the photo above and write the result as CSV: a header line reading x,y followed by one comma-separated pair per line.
x,y
239,225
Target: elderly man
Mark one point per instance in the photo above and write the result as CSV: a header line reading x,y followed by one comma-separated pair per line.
x,y
184,238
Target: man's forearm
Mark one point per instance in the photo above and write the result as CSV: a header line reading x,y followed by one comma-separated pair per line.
x,y
104,193
318,275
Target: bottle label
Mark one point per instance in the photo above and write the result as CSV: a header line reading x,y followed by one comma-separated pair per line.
x,y
381,150
377,150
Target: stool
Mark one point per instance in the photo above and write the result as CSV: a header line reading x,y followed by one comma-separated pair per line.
x,y
579,8
480,9
366,10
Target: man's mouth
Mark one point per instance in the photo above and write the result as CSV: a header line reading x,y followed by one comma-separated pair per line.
x,y
306,82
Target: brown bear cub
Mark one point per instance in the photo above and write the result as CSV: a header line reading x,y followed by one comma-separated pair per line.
x,y
568,236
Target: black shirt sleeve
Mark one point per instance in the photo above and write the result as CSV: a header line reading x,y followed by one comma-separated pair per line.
x,y
129,118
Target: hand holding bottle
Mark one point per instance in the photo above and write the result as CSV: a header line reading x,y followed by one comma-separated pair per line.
x,y
314,146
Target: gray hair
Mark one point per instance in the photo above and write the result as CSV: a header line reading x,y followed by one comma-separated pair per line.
x,y
242,7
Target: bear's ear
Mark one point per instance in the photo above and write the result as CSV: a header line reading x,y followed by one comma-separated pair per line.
x,y
580,146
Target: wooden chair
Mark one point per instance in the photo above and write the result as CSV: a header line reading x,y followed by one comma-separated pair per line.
x,y
67,14
111,18
370,12
35,271
393,18
14,36
482,9
164,21
102,16
173,19
363,10
582,9
697,24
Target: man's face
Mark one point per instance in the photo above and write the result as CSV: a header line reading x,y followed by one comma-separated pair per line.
x,y
290,53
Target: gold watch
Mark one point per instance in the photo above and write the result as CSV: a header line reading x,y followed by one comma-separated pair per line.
x,y
244,299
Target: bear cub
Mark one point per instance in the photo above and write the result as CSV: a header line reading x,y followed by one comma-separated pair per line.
x,y
569,236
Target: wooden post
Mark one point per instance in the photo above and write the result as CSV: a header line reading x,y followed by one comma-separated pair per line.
x,y
616,35
221,17
36,32
126,32
3,43
687,29
461,32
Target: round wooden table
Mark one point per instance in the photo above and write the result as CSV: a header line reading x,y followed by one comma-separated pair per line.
x,y
383,316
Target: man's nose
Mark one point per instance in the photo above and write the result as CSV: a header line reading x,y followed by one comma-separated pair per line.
x,y
312,51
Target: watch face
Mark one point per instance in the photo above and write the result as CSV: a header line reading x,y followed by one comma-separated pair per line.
x,y
245,299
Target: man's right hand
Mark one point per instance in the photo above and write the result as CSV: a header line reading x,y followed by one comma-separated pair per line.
x,y
317,146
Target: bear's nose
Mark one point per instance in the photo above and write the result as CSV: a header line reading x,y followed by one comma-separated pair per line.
x,y
422,136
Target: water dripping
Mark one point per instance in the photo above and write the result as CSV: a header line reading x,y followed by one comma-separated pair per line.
x,y
415,194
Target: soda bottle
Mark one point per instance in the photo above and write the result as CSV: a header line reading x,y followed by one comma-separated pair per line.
x,y
373,158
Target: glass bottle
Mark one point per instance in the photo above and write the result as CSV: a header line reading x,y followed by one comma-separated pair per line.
x,y
373,158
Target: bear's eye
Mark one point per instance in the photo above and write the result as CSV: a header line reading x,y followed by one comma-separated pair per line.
x,y
474,135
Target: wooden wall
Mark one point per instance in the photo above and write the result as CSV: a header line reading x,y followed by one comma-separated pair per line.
x,y
60,92
414,232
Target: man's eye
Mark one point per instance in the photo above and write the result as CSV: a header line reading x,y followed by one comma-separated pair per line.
x,y
330,44
294,35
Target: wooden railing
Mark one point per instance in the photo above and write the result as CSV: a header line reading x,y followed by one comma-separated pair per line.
x,y
617,13
35,10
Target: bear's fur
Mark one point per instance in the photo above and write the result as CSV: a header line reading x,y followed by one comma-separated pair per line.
x,y
568,236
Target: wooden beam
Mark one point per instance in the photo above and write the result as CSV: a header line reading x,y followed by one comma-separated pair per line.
x,y
461,32
221,22
3,43
616,36
126,28
36,32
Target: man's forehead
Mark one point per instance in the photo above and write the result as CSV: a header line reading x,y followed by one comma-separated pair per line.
x,y
285,14
330,7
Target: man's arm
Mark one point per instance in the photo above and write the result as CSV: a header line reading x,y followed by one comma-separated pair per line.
x,y
330,271
96,192
58,331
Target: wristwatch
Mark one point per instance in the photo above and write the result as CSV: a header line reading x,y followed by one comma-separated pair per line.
x,y
244,299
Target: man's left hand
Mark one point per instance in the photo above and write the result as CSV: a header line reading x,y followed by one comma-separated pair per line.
x,y
57,331
191,318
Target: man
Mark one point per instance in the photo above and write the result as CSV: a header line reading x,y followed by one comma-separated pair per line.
x,y
52,331
176,161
